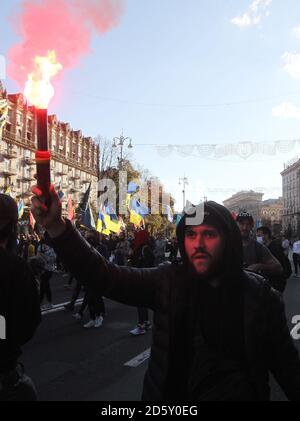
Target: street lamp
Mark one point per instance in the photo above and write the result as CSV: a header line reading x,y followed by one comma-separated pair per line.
x,y
120,142
185,182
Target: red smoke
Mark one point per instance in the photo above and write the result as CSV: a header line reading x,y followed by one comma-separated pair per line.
x,y
65,26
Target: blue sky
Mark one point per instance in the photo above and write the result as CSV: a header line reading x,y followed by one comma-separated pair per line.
x,y
165,75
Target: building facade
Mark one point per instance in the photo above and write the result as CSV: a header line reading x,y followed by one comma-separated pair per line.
x,y
271,215
268,212
74,157
249,201
291,198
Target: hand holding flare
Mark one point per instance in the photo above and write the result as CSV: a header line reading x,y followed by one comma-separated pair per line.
x,y
39,91
50,217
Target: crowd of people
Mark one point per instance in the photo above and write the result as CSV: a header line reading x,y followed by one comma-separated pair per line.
x,y
216,291
136,249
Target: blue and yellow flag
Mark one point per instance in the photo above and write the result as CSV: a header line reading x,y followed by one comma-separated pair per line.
x,y
85,215
21,208
7,190
135,218
101,224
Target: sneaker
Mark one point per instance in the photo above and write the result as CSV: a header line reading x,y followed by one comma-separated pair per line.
x,y
98,321
139,330
77,316
90,324
148,325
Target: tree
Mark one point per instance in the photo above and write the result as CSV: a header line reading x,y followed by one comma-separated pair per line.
x,y
108,155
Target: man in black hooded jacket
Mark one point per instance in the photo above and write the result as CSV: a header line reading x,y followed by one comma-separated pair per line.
x,y
19,308
217,330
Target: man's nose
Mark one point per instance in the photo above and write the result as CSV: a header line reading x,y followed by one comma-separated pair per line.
x,y
200,241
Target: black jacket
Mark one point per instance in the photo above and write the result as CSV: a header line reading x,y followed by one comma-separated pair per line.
x,y
268,344
19,305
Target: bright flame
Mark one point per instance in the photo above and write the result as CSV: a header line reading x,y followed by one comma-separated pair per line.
x,y
38,88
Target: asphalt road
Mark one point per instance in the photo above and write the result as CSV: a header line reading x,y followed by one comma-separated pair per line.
x,y
70,363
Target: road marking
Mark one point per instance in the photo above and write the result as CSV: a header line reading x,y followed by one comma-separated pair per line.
x,y
59,307
139,359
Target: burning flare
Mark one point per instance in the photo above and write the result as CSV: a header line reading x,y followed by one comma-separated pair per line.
x,y
38,88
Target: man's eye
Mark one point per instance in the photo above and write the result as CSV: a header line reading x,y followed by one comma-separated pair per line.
x,y
211,234
190,234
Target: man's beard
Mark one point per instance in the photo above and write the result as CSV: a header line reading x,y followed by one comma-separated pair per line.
x,y
214,271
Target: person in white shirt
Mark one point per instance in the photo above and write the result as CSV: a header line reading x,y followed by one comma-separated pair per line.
x,y
296,256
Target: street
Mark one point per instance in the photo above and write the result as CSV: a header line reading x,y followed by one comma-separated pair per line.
x,y
70,363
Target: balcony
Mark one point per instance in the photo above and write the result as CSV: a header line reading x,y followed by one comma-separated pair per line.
x,y
74,190
75,177
29,161
26,179
9,154
61,172
8,173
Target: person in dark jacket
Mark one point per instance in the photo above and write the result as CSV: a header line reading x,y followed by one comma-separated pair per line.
x,y
19,308
218,330
142,257
264,235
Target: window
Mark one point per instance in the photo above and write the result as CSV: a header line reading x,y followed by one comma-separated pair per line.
x,y
29,124
10,114
19,119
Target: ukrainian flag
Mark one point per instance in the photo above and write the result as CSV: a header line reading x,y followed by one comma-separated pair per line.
x,y
101,224
135,218
8,191
21,208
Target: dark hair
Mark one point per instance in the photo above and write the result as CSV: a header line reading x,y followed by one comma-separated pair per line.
x,y
265,231
6,231
9,234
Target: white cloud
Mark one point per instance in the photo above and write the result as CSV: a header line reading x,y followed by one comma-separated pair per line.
x,y
259,4
286,110
256,19
296,31
242,21
292,64
257,10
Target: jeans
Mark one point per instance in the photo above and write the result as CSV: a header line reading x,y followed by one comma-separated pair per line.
x,y
143,315
296,261
45,286
95,305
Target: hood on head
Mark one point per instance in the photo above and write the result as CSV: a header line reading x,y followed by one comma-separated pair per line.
x,y
219,217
